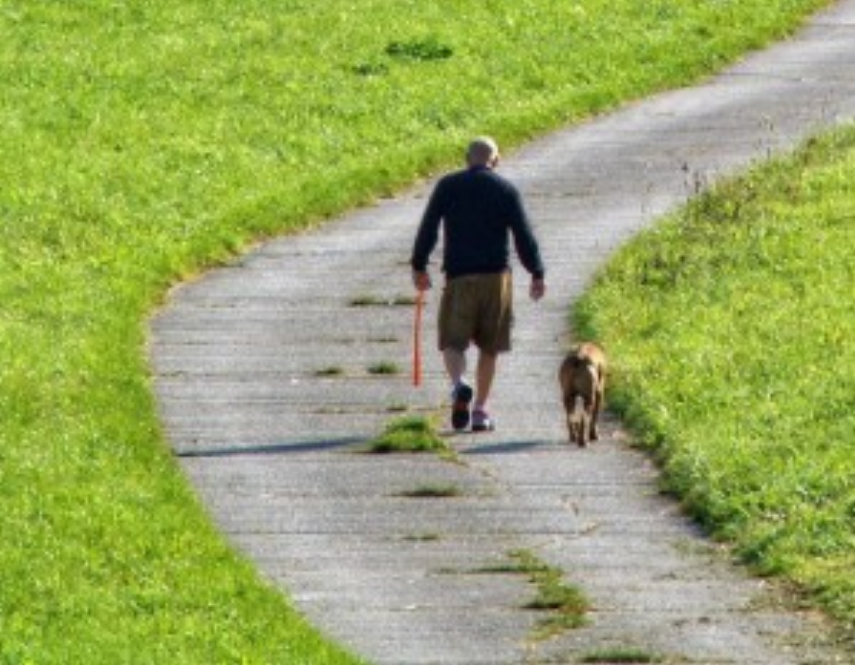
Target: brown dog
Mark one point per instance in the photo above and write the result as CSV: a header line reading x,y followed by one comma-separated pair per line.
x,y
583,384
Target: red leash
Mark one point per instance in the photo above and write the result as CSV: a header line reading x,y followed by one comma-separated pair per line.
x,y
417,339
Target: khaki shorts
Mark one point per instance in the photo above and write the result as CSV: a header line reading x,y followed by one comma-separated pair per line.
x,y
479,309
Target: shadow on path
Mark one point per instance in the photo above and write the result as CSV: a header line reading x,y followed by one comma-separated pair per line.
x,y
290,448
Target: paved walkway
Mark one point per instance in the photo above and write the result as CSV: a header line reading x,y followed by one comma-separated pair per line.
x,y
273,447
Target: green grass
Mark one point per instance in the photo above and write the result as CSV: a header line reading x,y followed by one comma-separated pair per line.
x,y
330,371
370,300
564,606
629,655
365,300
384,367
428,537
143,142
409,434
433,491
730,331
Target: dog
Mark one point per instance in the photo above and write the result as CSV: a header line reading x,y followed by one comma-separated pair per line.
x,y
583,386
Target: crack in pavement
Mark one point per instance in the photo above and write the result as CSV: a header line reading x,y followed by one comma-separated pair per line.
x,y
239,356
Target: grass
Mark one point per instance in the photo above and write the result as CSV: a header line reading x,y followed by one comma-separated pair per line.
x,y
384,367
432,491
562,606
565,606
144,142
369,300
364,300
409,434
630,656
730,330
331,371
430,537
384,339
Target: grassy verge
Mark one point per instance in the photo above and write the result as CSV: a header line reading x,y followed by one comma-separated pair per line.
x,y
730,328
144,141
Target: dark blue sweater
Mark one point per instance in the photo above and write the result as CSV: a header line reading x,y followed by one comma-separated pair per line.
x,y
480,210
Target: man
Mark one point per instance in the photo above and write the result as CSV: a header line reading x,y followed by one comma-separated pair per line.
x,y
479,211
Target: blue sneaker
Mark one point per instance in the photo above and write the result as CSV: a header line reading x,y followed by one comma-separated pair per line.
x,y
461,397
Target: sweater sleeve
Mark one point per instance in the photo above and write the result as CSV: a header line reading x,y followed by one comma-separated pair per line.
x,y
428,233
525,241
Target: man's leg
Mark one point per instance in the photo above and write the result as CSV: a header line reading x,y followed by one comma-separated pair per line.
x,y
493,337
461,392
481,420
455,365
484,378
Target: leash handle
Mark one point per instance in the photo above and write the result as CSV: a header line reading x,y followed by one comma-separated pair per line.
x,y
417,339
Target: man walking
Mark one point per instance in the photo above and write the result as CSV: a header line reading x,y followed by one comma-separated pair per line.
x,y
479,211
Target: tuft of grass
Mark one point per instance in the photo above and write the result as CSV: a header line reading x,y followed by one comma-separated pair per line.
x,y
384,339
409,434
384,367
629,656
432,491
730,328
332,370
423,537
403,301
566,607
366,300
369,300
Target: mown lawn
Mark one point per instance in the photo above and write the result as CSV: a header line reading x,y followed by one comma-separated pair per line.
x,y
731,327
144,141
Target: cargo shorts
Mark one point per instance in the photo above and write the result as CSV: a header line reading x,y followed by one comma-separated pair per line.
x,y
477,309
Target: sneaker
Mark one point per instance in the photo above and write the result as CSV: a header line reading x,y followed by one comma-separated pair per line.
x,y
461,396
482,422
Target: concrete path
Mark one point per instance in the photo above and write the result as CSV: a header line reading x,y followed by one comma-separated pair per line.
x,y
274,448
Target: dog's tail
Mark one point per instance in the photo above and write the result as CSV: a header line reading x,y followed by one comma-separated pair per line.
x,y
583,363
581,359
578,407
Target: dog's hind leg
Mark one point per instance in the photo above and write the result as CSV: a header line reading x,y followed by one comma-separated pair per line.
x,y
569,408
586,423
596,407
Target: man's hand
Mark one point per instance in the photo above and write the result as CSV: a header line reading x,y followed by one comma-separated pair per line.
x,y
537,289
421,280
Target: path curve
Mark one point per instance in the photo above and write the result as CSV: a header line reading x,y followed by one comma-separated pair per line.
x,y
273,448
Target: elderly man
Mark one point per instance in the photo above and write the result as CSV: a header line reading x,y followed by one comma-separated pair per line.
x,y
479,212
